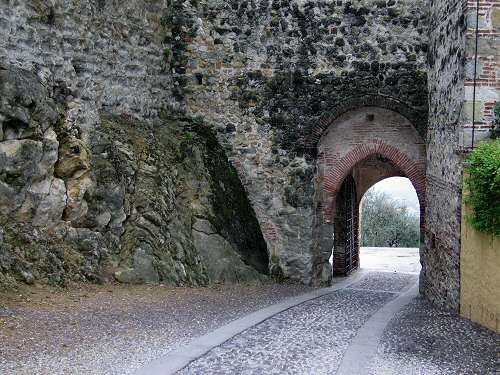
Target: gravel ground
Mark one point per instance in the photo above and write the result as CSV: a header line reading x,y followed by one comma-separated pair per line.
x,y
114,329
424,340
307,339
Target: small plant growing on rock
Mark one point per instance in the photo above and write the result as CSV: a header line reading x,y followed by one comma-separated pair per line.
x,y
483,183
188,136
167,54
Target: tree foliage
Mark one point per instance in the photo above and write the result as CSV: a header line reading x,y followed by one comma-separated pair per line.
x,y
483,184
387,223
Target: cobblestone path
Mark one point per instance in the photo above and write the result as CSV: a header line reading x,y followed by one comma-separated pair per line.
x,y
314,337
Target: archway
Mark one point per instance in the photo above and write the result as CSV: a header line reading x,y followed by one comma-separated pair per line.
x,y
358,149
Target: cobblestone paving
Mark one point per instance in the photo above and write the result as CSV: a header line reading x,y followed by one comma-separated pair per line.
x,y
426,341
308,339
391,282
312,338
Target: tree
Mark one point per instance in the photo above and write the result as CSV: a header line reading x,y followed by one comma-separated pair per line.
x,y
387,223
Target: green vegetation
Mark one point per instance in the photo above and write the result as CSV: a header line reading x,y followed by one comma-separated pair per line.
x,y
483,184
495,131
167,54
387,223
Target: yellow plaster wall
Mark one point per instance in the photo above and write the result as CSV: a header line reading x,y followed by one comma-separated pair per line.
x,y
480,276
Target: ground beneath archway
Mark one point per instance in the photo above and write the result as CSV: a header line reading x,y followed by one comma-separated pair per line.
x,y
318,337
373,323
391,259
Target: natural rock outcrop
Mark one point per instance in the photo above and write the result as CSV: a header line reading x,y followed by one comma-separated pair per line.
x,y
126,204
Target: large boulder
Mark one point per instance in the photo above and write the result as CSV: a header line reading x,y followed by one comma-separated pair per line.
x,y
221,260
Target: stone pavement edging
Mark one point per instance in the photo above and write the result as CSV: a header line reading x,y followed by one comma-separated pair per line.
x,y
180,358
364,346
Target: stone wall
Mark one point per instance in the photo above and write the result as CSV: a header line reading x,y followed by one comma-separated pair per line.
x,y
487,69
101,55
451,80
273,75
440,279
99,178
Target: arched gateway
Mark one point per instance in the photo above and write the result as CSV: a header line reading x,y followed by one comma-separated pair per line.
x,y
356,150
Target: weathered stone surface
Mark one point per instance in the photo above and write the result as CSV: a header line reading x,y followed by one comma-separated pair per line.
x,y
27,109
122,203
29,150
18,159
440,277
51,202
219,258
485,47
269,76
142,271
74,157
495,18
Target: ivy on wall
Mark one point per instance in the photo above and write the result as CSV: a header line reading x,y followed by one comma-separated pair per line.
x,y
483,184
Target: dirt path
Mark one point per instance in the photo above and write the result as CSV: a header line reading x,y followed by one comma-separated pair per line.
x,y
112,329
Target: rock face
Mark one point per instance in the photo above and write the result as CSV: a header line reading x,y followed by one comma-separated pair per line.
x,y
127,204
223,264
90,155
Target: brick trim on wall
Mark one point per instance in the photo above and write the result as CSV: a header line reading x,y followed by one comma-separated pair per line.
x,y
312,139
333,180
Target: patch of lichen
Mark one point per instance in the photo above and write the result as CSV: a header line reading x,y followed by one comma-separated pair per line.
x,y
45,11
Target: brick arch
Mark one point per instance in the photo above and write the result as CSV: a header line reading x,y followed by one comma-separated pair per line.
x,y
349,104
333,180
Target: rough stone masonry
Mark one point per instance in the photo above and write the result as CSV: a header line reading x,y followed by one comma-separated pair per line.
x,y
117,119
274,75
